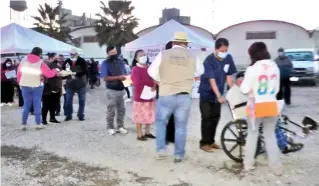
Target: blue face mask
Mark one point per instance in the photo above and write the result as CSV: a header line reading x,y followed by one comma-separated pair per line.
x,y
222,55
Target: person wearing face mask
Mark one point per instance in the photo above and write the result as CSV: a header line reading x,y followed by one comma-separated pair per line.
x,y
113,72
143,110
75,84
7,84
51,91
285,66
219,68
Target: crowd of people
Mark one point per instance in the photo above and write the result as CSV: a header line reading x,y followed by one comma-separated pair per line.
x,y
262,82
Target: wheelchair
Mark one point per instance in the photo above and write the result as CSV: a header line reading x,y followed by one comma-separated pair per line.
x,y
234,133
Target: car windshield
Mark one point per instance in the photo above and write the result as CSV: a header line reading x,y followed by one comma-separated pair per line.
x,y
300,56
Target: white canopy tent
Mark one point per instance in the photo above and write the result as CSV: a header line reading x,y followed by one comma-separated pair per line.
x,y
16,39
165,33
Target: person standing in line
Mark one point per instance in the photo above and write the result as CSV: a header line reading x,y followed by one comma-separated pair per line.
x,y
174,92
60,63
219,68
7,85
29,78
261,83
128,71
113,72
285,67
143,110
51,91
76,84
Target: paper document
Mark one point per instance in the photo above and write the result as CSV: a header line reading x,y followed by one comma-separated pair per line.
x,y
11,74
128,81
64,73
147,93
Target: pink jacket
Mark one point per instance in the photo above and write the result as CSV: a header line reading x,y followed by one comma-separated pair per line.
x,y
45,70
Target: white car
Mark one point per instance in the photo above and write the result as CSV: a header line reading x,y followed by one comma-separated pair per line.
x,y
305,64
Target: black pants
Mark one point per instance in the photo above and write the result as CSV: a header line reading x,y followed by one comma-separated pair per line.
x,y
285,90
49,103
20,96
210,113
58,107
7,91
170,130
128,92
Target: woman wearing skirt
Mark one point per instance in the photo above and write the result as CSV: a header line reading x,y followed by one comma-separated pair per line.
x,y
143,110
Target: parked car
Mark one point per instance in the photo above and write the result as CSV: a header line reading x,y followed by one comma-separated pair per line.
x,y
305,65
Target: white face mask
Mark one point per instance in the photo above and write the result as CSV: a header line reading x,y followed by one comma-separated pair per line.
x,y
222,55
142,60
74,59
8,65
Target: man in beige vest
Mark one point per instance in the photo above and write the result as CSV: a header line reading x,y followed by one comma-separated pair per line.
x,y
174,70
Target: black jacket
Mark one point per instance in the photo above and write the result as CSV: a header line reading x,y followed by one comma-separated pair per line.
x,y
93,69
54,83
80,67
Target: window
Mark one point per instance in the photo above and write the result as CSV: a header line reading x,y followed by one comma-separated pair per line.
x,y
261,35
300,56
89,39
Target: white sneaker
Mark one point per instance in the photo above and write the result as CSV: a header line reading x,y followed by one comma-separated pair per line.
x,y
111,132
2,104
122,130
39,127
10,104
128,100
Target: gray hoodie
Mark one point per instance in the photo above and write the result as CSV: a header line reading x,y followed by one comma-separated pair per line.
x,y
285,66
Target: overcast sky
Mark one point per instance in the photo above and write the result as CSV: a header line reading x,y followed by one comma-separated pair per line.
x,y
226,12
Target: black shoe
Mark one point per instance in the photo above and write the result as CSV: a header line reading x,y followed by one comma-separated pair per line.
x,y
142,138
81,119
151,136
32,113
68,118
54,121
44,122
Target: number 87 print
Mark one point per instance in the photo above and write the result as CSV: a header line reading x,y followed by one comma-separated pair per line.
x,y
267,84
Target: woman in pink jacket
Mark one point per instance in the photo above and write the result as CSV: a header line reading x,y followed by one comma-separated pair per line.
x,y
29,77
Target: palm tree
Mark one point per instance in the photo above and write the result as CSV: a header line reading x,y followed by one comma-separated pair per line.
x,y
51,23
116,26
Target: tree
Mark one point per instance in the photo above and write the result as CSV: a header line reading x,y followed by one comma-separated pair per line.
x,y
116,26
52,23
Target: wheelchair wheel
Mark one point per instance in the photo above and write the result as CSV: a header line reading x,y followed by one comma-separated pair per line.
x,y
233,140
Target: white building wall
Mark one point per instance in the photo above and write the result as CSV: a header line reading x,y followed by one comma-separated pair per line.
x,y
90,49
315,38
287,36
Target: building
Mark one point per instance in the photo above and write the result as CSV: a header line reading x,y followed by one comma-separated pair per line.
x,y
173,13
275,34
85,34
74,21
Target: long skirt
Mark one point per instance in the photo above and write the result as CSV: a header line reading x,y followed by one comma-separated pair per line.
x,y
143,112
7,92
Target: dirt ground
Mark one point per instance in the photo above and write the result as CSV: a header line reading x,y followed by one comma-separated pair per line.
x,y
82,153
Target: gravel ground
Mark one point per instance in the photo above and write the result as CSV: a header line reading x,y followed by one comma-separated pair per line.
x,y
82,153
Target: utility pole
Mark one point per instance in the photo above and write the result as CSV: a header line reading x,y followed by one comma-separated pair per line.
x,y
213,15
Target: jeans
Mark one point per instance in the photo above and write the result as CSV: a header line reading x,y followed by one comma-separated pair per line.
x,y
179,105
31,96
69,102
210,112
269,125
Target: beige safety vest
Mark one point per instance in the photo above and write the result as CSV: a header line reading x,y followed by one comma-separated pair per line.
x,y
30,73
176,71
